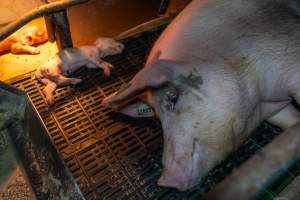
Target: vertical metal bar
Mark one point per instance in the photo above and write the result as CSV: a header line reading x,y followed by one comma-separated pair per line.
x,y
163,6
62,30
58,28
50,28
49,25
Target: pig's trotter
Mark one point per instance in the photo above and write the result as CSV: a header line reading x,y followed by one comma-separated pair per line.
x,y
106,67
75,81
102,64
63,81
289,115
286,118
93,63
49,90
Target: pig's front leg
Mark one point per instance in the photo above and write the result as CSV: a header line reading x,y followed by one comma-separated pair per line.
x,y
63,81
20,48
49,90
295,90
286,118
105,66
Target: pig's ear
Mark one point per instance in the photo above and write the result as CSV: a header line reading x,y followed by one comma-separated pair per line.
x,y
153,75
137,109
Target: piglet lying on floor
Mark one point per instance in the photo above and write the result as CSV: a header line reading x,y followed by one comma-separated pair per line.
x,y
23,40
54,71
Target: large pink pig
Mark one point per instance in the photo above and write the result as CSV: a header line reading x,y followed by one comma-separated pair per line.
x,y
218,71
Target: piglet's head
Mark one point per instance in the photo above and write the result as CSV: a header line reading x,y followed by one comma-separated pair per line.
x,y
196,128
34,35
108,46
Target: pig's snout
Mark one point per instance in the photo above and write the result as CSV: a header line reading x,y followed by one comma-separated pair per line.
x,y
171,181
179,180
182,166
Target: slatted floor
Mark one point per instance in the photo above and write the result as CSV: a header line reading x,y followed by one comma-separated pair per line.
x,y
111,156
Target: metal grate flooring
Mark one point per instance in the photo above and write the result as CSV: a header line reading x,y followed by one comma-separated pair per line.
x,y
112,156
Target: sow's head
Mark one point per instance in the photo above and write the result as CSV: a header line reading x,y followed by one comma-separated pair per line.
x,y
197,116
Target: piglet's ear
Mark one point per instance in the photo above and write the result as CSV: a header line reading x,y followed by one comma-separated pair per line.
x,y
153,75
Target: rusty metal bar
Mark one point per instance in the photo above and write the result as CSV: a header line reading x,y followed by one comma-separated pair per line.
x,y
50,28
262,169
291,192
147,26
37,12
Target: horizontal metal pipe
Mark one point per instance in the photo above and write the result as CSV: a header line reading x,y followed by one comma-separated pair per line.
x,y
37,12
147,26
263,168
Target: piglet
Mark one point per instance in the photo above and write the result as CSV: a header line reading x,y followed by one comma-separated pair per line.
x,y
23,40
54,71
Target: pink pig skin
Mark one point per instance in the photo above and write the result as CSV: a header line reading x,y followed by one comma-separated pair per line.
x,y
217,71
23,40
54,71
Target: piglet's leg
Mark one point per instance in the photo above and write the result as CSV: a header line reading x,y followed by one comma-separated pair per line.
x,y
106,67
63,81
49,90
20,48
102,64
93,64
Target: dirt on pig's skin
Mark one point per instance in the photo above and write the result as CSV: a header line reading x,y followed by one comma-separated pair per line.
x,y
223,68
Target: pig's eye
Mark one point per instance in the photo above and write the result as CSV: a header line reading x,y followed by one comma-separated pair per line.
x,y
171,100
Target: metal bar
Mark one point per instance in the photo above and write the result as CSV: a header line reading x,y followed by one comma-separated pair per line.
x,y
291,192
37,12
248,181
49,25
62,30
50,28
147,26
163,6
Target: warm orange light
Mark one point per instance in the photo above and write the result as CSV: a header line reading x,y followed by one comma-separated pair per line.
x,y
16,64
